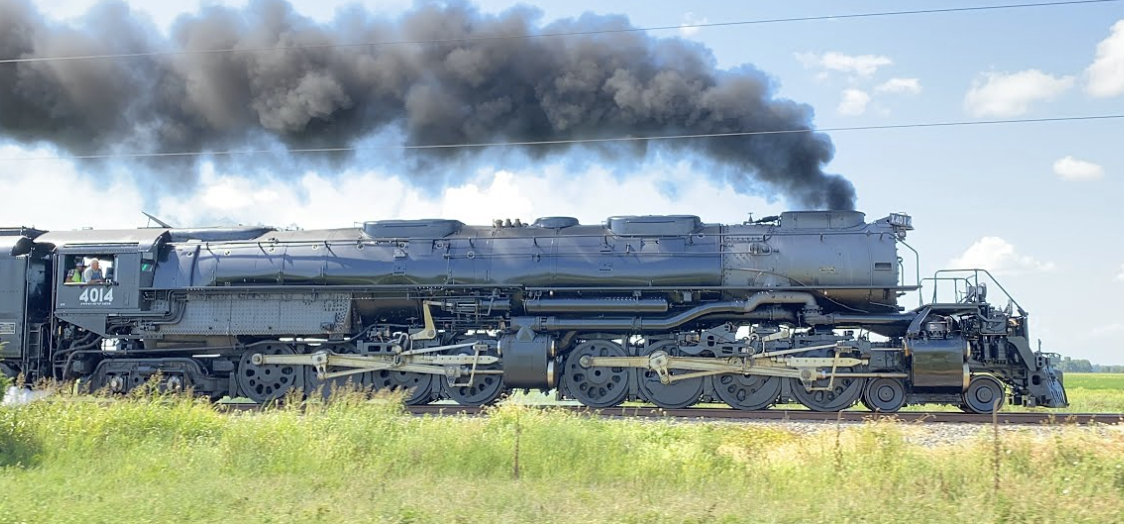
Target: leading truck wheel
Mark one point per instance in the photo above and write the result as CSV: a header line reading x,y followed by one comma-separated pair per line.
x,y
884,395
985,395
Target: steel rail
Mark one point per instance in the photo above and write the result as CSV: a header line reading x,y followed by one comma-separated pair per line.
x,y
800,415
773,415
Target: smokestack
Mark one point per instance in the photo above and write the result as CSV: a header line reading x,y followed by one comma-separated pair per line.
x,y
502,90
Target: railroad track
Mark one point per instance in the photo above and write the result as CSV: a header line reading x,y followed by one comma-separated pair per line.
x,y
794,415
945,417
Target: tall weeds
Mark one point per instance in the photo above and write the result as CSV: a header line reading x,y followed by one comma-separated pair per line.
x,y
173,458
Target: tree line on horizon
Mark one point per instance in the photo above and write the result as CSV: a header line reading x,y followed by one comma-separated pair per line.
x,y
1081,365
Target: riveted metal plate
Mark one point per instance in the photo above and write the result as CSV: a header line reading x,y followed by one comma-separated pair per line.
x,y
264,314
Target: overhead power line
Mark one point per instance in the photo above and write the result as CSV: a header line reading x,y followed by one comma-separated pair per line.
x,y
470,39
534,143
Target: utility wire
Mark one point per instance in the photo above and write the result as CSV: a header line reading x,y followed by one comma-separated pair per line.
x,y
877,14
532,143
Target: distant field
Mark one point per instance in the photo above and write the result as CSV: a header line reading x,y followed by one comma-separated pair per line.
x,y
1095,392
1095,381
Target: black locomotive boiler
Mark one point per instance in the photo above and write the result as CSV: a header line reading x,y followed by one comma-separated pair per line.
x,y
668,310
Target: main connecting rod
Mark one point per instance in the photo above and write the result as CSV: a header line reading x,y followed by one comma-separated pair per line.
x,y
414,361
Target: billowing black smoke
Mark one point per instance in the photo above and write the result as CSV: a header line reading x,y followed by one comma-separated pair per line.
x,y
501,90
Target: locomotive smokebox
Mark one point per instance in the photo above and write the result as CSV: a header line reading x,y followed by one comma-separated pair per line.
x,y
528,360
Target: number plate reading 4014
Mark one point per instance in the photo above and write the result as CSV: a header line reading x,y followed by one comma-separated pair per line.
x,y
96,296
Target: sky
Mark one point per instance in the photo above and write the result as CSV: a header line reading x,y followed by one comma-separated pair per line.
x,y
1037,204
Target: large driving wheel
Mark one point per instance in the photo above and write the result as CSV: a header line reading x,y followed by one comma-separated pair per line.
x,y
747,392
314,386
828,395
678,394
596,387
267,382
475,390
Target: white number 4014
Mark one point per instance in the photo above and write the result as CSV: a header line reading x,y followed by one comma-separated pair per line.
x,y
96,295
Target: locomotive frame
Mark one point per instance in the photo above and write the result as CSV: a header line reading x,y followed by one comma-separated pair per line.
x,y
661,309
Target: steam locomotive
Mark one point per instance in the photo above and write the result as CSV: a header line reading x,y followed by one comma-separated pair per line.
x,y
668,310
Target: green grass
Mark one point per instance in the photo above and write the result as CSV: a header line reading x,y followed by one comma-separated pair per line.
x,y
177,460
1095,392
1112,381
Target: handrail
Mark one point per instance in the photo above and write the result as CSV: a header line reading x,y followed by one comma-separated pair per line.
x,y
973,280
916,271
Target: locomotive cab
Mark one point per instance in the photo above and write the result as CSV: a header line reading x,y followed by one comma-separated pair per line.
x,y
87,296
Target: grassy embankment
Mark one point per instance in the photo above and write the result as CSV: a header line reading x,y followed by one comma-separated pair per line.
x,y
177,460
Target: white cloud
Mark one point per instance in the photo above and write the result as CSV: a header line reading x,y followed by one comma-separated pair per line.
x,y
1070,168
854,102
165,12
907,86
1010,94
1120,276
861,65
690,19
999,257
313,200
1106,75
316,201
77,199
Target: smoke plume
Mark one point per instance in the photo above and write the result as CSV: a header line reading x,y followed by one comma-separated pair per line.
x,y
312,94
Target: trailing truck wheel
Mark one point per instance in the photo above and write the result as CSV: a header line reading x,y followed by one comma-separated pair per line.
x,y
985,395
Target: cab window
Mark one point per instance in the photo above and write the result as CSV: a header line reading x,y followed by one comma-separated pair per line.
x,y
90,269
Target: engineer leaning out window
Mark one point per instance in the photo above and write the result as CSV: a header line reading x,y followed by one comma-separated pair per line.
x,y
93,274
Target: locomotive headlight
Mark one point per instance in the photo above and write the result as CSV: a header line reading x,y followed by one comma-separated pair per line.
x,y
901,220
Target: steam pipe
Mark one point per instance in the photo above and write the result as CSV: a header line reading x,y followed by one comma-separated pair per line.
x,y
601,305
903,318
741,307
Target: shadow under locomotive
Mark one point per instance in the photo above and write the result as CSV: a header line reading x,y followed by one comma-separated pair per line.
x,y
662,309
